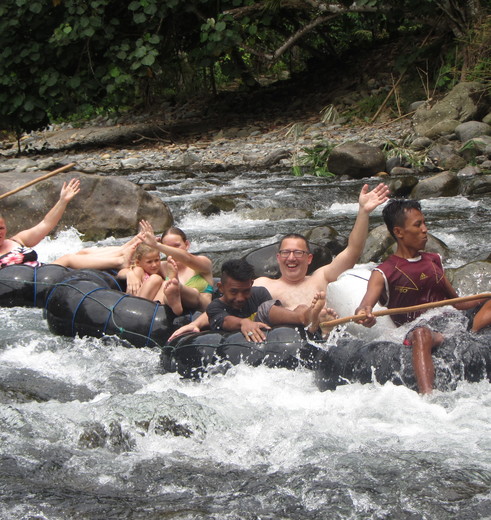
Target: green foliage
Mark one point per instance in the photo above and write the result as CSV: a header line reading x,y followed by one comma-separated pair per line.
x,y
58,57
314,161
365,108
405,154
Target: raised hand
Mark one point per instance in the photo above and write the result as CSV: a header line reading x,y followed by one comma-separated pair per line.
x,y
147,234
68,191
369,200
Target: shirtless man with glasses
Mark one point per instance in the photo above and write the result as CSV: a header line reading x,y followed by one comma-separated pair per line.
x,y
294,287
294,256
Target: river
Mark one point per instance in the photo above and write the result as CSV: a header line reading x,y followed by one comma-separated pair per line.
x,y
92,430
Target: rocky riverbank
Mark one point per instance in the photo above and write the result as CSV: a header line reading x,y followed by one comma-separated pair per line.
x,y
131,147
424,154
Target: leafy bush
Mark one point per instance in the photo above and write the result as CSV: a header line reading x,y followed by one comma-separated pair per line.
x,y
58,57
314,161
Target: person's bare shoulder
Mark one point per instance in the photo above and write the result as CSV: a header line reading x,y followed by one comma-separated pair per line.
x,y
264,281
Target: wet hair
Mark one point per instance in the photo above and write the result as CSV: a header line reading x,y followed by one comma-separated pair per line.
x,y
295,235
394,213
174,231
142,250
238,269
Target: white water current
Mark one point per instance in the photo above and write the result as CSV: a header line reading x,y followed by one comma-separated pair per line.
x,y
90,429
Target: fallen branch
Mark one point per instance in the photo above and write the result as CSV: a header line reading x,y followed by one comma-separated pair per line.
x,y
39,179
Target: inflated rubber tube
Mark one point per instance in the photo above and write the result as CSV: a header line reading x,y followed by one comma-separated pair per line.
x,y
103,278
27,286
344,296
191,355
84,308
462,356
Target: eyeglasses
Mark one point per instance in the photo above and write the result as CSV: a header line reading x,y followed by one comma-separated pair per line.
x,y
297,253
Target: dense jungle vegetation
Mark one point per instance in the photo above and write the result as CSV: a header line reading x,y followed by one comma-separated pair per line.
x,y
71,59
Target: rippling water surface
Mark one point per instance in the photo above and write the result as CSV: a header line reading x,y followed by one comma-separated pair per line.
x,y
90,429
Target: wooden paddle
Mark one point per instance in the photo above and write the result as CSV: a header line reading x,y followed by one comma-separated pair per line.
x,y
405,310
39,179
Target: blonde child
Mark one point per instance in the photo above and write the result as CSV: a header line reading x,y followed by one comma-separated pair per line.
x,y
148,281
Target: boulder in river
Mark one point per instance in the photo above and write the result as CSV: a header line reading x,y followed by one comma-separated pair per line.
x,y
357,160
445,184
105,206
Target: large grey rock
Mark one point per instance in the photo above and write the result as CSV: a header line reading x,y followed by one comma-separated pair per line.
x,y
471,129
421,143
105,206
402,186
472,278
474,147
440,153
326,236
479,186
215,205
445,127
378,241
464,102
445,184
357,160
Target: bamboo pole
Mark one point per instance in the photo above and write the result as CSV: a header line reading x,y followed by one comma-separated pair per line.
x,y
39,179
405,310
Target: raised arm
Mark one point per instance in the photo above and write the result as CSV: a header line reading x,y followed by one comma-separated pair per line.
x,y
31,237
368,201
200,264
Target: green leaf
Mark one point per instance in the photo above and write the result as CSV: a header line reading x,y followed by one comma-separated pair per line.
x,y
52,79
114,72
88,32
150,9
139,17
74,82
220,26
140,51
36,7
148,60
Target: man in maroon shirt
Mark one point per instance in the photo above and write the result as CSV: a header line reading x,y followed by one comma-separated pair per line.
x,y
410,277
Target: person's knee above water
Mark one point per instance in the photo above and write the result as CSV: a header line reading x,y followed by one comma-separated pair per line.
x,y
251,309
411,277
